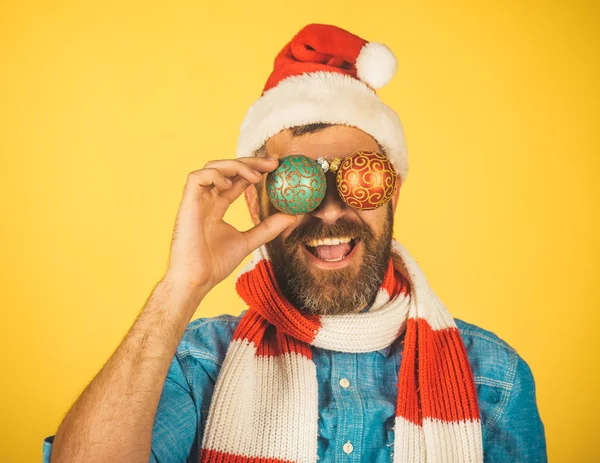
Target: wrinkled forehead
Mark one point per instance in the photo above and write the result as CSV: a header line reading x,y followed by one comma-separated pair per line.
x,y
337,141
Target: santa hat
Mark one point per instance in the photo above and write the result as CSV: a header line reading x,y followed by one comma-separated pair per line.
x,y
327,74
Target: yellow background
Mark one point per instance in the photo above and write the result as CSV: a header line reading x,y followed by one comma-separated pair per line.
x,y
106,107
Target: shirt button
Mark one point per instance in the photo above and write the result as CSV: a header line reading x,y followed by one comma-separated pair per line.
x,y
348,448
344,383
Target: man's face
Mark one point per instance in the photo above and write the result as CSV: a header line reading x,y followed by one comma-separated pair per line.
x,y
330,278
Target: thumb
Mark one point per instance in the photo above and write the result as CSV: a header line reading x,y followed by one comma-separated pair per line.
x,y
268,229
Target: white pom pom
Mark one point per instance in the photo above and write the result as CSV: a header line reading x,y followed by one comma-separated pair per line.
x,y
376,64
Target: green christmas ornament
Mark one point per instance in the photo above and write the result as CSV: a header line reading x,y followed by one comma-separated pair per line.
x,y
297,186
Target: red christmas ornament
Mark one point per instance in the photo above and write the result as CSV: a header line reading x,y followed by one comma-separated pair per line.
x,y
366,180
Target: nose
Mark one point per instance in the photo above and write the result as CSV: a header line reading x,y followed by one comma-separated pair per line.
x,y
332,207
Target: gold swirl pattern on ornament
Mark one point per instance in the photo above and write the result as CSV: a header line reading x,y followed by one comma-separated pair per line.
x,y
366,180
297,187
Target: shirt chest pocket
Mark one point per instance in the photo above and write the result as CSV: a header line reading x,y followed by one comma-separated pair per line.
x,y
492,397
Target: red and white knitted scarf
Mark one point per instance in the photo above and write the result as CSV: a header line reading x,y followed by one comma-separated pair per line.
x,y
265,409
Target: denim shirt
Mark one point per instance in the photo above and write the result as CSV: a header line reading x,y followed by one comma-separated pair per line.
x,y
357,398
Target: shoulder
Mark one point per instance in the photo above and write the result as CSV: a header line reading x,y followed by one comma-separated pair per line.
x,y
502,377
207,338
493,360
474,334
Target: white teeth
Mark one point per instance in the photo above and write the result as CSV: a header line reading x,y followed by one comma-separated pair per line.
x,y
329,241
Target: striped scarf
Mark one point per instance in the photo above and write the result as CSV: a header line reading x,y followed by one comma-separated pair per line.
x,y
265,407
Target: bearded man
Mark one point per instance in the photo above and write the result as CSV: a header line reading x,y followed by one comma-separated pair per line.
x,y
345,353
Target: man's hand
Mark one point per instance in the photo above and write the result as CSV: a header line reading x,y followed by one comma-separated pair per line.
x,y
112,419
205,249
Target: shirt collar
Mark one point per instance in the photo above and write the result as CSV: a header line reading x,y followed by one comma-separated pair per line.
x,y
394,348
385,351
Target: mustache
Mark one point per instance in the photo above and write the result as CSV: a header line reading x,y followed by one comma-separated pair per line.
x,y
317,229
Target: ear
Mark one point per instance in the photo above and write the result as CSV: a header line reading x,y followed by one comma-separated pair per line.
x,y
251,196
396,193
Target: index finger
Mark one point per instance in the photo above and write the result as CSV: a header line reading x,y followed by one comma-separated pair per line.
x,y
260,163
251,169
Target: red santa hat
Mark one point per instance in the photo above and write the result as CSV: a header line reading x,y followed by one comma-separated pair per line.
x,y
327,74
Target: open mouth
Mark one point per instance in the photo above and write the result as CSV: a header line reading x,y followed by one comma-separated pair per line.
x,y
332,249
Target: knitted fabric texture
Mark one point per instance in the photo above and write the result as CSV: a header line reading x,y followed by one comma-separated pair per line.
x,y
265,405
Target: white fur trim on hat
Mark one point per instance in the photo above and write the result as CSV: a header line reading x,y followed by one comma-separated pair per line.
x,y
326,97
376,64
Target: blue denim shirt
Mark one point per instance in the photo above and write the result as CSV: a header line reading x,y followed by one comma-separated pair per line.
x,y
363,411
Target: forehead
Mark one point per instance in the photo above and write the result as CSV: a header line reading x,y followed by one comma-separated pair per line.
x,y
337,141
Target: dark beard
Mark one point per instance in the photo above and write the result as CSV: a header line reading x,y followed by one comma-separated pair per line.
x,y
334,291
